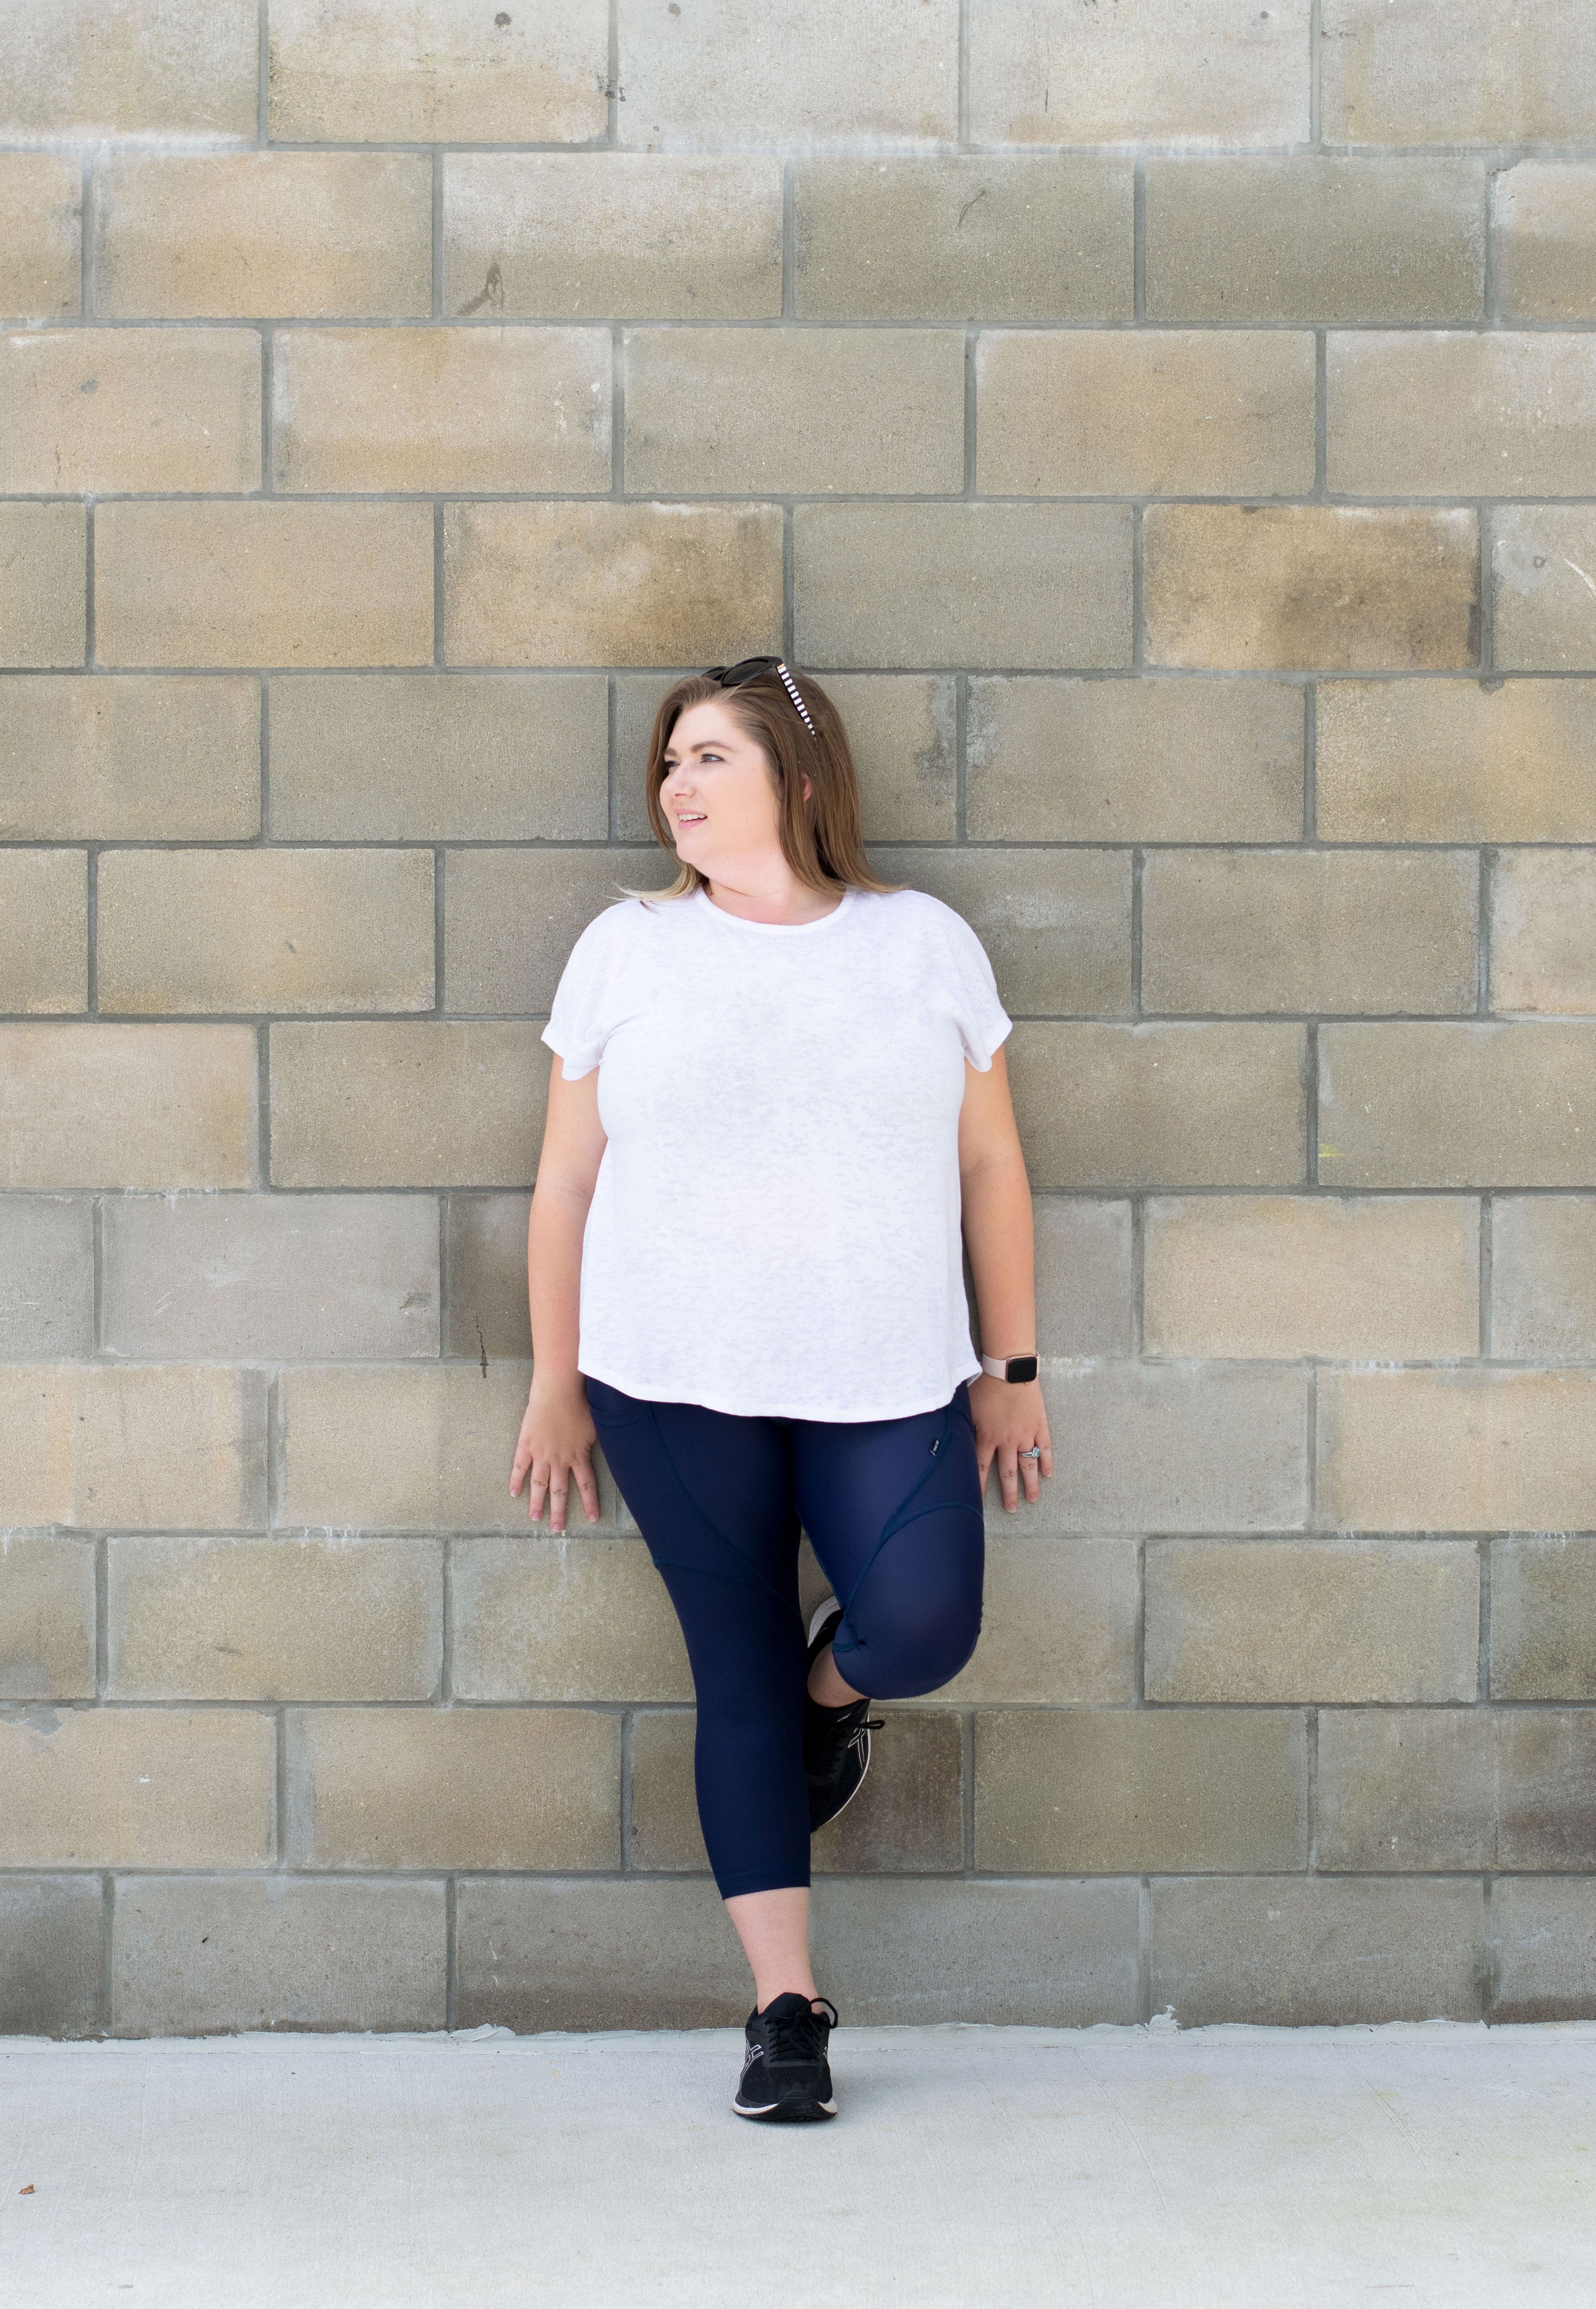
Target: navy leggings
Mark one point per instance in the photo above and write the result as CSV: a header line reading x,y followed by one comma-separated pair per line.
x,y
893,1509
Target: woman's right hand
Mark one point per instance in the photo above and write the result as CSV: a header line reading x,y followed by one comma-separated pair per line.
x,y
557,1440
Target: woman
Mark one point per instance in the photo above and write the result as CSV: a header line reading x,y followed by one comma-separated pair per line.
x,y
779,1088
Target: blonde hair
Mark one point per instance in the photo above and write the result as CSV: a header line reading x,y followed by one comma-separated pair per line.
x,y
821,838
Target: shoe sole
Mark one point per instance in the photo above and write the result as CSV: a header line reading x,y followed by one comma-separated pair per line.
x,y
789,2111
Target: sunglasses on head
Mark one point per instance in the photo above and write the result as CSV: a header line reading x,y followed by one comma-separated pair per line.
x,y
748,669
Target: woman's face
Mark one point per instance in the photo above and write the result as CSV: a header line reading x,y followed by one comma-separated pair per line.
x,y
718,793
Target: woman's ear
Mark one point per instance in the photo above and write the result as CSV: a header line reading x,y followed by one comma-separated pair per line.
x,y
808,787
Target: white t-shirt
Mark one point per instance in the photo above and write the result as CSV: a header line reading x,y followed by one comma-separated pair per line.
x,y
775,1229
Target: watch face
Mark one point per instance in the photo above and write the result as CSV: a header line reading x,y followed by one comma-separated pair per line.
x,y
1021,1367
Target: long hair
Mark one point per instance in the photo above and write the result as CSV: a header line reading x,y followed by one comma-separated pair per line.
x,y
821,838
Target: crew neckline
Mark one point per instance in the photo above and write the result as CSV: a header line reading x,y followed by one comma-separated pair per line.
x,y
702,897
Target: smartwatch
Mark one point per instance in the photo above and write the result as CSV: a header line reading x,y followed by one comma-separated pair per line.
x,y
1011,1367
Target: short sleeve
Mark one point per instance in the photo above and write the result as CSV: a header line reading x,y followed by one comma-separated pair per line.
x,y
981,1019
583,1010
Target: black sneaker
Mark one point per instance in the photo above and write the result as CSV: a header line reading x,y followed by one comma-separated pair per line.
x,y
787,2079
836,1740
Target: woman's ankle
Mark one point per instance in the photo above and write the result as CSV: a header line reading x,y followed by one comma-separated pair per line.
x,y
828,1689
765,1995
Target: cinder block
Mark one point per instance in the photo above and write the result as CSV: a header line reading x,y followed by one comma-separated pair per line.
x,y
145,1448
1316,930
265,930
1542,557
454,1788
409,1447
46,1277
1543,930
1543,1617
1152,1447
979,237
1084,1280
1442,1789
1446,1105
963,584
264,236
40,235
807,410
901,732
488,1311
43,584
637,700
632,1953
312,1618
1144,760
434,74
1317,1953
98,70
1456,71
1456,1450
200,1956
1453,761
47,1617
1055,924
609,583
123,758
437,1105
1145,413
1359,1279
1161,71
1124,1790
539,1617
511,918
817,82
136,1787
1102,1105
1058,1625
52,1956
1543,1278
1545,240
907,1817
252,583
441,408
1265,1620
1541,1936
408,757
270,1278
643,236
1303,586
99,410
1040,1955
1312,237
84,1105
1471,413
44,931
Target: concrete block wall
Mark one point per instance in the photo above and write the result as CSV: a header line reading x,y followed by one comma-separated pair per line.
x,y
1171,432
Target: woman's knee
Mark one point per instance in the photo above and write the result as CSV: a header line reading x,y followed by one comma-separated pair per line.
x,y
905,1647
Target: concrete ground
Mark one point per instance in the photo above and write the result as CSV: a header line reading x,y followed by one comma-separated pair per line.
x,y
1132,2169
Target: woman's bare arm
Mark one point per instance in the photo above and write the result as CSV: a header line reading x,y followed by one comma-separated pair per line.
x,y
1009,1418
558,1433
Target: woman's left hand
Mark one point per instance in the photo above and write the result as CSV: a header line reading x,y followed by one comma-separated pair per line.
x,y
1010,1419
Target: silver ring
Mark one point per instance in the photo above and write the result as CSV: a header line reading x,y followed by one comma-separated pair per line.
x,y
1035,1452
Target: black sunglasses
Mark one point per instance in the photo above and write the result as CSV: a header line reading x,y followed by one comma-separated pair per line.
x,y
749,669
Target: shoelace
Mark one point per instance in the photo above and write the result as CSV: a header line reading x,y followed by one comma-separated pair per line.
x,y
860,1732
798,2036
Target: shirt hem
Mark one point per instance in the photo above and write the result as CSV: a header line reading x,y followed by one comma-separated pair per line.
x,y
829,1416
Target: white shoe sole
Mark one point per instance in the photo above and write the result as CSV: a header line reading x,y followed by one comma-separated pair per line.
x,y
825,2107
